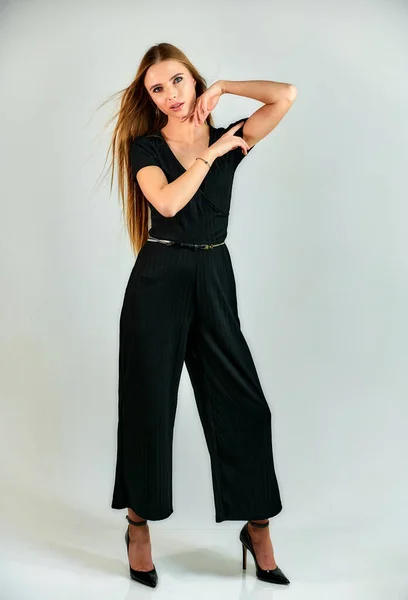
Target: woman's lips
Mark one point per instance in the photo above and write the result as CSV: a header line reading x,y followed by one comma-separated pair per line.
x,y
178,107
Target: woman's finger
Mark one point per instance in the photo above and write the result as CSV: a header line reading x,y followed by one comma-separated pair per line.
x,y
244,146
199,115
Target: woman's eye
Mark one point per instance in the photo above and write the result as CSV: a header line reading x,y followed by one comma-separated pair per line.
x,y
159,87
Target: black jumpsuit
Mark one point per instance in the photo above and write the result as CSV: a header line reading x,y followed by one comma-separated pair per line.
x,y
180,306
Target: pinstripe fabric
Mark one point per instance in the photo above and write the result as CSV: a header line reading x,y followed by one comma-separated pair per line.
x,y
180,306
204,219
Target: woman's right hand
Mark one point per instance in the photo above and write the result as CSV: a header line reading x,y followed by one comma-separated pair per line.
x,y
228,141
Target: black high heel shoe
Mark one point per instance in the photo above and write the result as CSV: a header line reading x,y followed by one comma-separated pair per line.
x,y
147,577
270,575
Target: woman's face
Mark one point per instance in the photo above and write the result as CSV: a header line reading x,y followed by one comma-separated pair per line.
x,y
168,83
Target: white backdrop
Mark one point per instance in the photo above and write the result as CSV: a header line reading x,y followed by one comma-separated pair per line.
x,y
317,236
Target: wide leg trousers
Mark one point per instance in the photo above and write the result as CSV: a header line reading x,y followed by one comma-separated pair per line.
x,y
180,305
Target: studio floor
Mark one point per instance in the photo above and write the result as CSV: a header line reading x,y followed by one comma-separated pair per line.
x,y
64,563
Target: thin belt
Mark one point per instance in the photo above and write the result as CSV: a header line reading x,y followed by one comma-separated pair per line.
x,y
172,243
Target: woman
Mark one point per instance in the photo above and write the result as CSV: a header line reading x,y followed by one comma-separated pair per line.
x,y
180,304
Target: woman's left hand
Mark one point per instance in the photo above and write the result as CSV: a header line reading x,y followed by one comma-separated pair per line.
x,y
204,104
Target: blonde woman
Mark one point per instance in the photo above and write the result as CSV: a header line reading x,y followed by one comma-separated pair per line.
x,y
180,304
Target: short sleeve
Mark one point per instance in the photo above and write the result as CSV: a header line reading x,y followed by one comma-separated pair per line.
x,y
141,155
237,155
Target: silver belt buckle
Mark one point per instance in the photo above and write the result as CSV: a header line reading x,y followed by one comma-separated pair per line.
x,y
167,242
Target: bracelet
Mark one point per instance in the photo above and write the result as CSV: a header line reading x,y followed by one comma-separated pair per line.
x,y
206,161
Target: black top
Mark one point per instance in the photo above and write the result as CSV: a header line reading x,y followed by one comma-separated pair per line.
x,y
204,219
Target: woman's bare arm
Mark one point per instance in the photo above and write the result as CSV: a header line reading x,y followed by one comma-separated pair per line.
x,y
169,198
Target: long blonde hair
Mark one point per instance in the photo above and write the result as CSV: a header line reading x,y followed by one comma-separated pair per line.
x,y
138,115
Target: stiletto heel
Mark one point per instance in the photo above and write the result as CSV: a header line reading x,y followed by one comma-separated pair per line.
x,y
149,578
244,556
270,575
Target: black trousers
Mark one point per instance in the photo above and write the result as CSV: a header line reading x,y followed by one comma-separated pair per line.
x,y
180,306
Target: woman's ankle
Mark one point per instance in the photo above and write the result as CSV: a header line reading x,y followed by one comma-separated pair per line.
x,y
135,517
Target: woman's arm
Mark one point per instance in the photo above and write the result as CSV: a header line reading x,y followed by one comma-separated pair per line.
x,y
277,98
264,91
169,198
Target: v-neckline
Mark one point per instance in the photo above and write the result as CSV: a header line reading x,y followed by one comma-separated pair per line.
x,y
172,153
